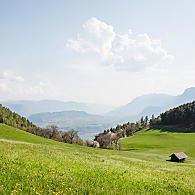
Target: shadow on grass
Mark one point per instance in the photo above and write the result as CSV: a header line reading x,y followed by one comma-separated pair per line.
x,y
127,149
175,161
172,129
169,161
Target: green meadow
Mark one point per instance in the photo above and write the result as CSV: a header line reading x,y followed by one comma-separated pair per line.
x,y
35,165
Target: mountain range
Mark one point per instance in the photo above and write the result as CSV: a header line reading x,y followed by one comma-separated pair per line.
x,y
27,108
151,104
90,119
86,124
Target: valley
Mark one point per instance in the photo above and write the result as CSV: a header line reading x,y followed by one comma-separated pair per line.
x,y
97,97
91,119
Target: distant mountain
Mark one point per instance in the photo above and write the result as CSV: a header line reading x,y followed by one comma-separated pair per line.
x,y
187,96
86,117
151,104
140,103
27,108
58,116
87,124
149,111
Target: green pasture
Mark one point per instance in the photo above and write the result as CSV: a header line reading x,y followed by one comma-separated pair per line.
x,y
34,165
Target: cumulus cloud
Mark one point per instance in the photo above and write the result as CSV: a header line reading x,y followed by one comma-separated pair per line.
x,y
11,77
96,36
126,52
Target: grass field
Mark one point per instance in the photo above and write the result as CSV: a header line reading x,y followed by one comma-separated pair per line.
x,y
34,165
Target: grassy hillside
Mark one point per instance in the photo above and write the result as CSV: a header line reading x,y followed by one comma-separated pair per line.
x,y
10,133
49,167
154,144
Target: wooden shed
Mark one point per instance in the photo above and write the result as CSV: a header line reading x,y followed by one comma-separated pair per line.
x,y
178,157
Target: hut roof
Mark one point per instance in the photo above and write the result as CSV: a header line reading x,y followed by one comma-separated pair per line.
x,y
180,155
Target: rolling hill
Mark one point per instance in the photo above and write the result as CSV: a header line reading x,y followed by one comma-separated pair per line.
x,y
31,164
87,124
14,134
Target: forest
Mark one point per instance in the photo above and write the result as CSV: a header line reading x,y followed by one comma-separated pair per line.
x,y
51,131
15,120
182,116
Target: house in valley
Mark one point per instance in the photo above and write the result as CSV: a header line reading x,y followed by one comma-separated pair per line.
x,y
178,157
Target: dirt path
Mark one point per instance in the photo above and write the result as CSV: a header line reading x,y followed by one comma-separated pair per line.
x,y
16,142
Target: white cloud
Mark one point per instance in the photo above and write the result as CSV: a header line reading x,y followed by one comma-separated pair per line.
x,y
3,87
13,88
120,50
37,89
96,36
11,77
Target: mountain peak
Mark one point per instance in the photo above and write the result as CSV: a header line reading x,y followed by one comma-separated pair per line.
x,y
189,92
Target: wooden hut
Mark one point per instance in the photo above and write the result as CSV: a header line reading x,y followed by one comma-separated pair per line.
x,y
178,157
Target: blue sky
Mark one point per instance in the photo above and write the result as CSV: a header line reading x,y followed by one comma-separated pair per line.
x,y
95,51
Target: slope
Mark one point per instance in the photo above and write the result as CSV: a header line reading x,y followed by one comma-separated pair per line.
x,y
157,145
10,133
67,169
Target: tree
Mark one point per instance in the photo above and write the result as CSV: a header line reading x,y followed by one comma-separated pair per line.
x,y
152,120
146,122
92,143
66,137
103,139
73,136
54,133
142,121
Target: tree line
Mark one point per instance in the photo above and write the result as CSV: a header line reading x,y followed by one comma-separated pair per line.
x,y
110,137
182,116
15,120
51,131
107,138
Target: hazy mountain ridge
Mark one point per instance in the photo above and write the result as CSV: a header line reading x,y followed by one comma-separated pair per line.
x,y
152,104
27,108
42,117
86,124
78,116
140,103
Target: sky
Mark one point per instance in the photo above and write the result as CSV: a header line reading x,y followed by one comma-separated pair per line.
x,y
105,52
